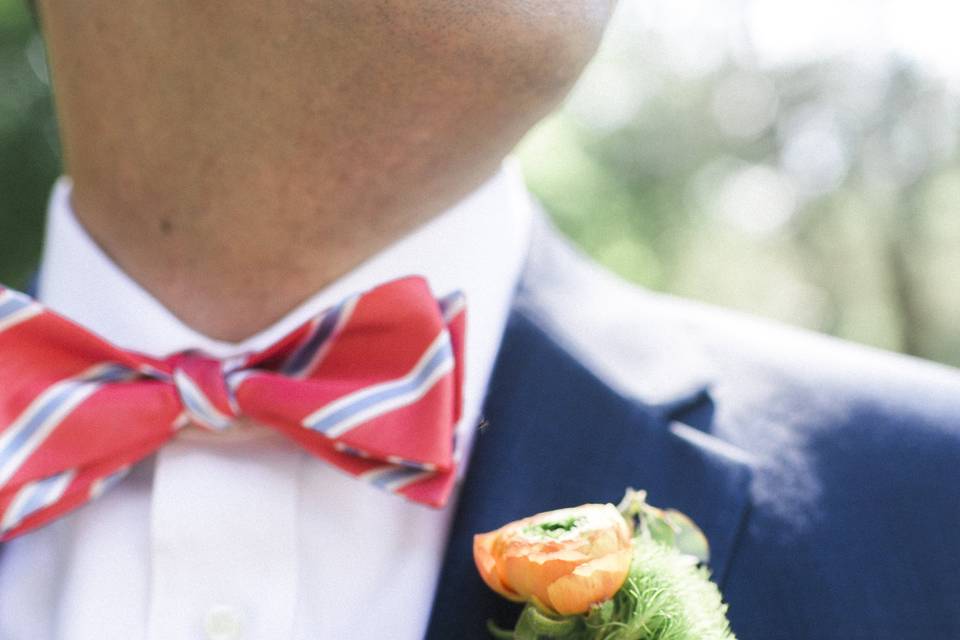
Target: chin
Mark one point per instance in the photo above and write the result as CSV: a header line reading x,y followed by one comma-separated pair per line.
x,y
535,47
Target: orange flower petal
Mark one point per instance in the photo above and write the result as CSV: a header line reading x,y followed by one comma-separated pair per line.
x,y
487,565
531,575
589,584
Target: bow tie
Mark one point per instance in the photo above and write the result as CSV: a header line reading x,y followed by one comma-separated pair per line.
x,y
372,386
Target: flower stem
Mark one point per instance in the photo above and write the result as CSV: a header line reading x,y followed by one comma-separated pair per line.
x,y
534,624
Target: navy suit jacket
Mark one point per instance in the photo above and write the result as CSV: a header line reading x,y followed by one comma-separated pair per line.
x,y
825,475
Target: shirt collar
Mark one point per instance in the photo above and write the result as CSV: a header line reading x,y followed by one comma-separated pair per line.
x,y
478,246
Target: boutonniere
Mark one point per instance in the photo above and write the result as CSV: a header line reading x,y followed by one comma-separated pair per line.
x,y
600,572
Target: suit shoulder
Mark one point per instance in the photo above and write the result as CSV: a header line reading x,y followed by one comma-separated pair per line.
x,y
658,348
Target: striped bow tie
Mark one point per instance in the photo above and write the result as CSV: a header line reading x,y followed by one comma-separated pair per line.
x,y
371,386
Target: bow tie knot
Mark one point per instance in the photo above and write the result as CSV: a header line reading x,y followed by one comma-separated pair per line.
x,y
204,386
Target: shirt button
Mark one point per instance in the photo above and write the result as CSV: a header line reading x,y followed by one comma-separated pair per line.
x,y
222,623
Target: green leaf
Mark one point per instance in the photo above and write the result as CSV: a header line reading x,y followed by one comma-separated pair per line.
x,y
661,531
688,538
668,527
535,625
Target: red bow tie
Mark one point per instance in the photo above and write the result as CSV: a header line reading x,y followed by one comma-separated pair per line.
x,y
372,386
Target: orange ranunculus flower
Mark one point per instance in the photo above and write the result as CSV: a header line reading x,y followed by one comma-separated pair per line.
x,y
563,561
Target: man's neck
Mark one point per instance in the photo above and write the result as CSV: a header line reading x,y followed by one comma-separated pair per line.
x,y
230,259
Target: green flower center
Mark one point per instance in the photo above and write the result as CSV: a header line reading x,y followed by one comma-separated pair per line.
x,y
553,528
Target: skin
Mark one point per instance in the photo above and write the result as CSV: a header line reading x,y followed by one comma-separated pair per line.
x,y
235,157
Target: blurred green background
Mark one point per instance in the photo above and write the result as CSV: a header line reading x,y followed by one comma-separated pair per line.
x,y
797,161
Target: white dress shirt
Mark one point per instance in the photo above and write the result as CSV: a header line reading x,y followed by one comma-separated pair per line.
x,y
243,535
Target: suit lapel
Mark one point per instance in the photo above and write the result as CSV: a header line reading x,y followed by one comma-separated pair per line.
x,y
557,436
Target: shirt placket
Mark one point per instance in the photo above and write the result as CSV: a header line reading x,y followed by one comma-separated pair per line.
x,y
224,537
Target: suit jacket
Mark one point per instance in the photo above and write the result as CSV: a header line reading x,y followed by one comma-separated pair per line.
x,y
824,474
